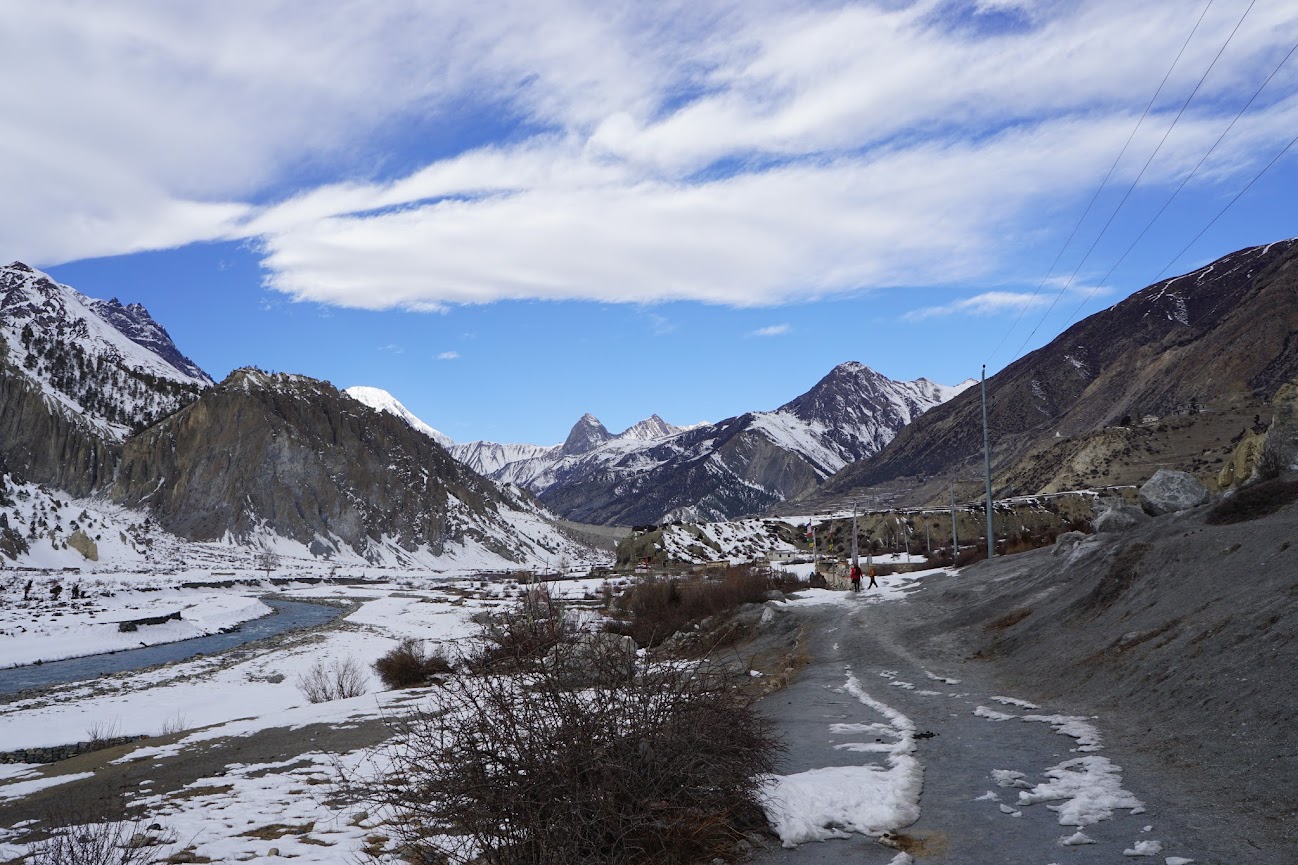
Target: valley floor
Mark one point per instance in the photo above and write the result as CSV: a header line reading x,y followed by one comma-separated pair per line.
x,y
1042,708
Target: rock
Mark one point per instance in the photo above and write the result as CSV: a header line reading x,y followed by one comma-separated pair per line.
x,y
1170,491
1119,518
1067,542
1240,465
1283,432
774,595
82,543
593,659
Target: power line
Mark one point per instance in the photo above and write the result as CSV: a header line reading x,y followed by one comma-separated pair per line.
x,y
1104,182
1212,221
1134,183
1184,181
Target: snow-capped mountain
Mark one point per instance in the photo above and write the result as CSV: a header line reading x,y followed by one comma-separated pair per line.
x,y
109,365
377,398
655,471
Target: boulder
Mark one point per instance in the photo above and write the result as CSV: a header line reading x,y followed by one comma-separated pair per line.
x,y
82,543
1240,465
592,660
1119,518
1170,491
1067,542
1282,435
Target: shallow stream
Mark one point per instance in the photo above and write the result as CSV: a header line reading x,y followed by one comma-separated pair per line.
x,y
288,616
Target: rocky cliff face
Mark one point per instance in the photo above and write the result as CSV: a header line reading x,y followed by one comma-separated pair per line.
x,y
1224,332
294,455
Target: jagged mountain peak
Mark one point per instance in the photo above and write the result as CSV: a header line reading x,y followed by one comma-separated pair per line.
x,y
652,427
586,435
380,400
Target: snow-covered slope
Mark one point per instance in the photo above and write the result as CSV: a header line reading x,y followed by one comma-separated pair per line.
x,y
111,366
59,531
377,398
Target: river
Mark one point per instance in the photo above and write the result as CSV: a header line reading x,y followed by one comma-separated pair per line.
x,y
288,616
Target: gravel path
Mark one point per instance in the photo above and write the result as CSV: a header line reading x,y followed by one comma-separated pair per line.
x,y
966,815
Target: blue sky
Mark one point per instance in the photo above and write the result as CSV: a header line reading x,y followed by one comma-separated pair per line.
x,y
511,213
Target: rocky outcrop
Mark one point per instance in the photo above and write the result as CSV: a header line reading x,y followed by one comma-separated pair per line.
x,y
1283,432
297,456
1239,468
82,543
1170,491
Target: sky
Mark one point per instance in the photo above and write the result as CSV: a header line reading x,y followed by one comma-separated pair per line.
x,y
511,213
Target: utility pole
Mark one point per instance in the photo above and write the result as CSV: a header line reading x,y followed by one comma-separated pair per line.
x,y
987,471
955,537
855,557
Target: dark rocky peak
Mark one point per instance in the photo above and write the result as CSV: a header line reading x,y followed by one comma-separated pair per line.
x,y
135,323
843,390
586,435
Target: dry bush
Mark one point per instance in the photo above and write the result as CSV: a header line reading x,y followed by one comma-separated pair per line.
x,y
787,581
1253,502
660,607
410,665
524,632
332,681
660,767
103,733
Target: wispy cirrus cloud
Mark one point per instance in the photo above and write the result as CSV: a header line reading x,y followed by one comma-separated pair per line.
x,y
449,355
735,153
770,330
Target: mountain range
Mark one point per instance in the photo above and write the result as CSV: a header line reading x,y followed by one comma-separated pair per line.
x,y
110,437
655,472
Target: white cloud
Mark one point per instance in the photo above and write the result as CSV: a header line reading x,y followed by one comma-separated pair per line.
x,y
864,146
771,330
449,355
986,303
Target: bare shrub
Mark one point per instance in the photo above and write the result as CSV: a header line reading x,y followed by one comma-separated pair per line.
x,y
525,631
660,607
1253,502
338,680
660,767
103,733
112,842
177,723
410,665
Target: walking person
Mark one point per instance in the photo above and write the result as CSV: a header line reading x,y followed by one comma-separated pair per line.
x,y
873,584
856,577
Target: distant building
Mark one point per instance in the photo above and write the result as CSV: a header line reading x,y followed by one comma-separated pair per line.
x,y
1148,419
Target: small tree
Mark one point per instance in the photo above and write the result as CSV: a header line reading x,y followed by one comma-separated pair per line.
x,y
267,560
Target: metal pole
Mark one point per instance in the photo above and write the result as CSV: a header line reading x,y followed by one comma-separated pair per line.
x,y
987,471
855,557
955,537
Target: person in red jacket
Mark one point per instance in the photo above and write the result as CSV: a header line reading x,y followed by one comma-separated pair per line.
x,y
856,577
